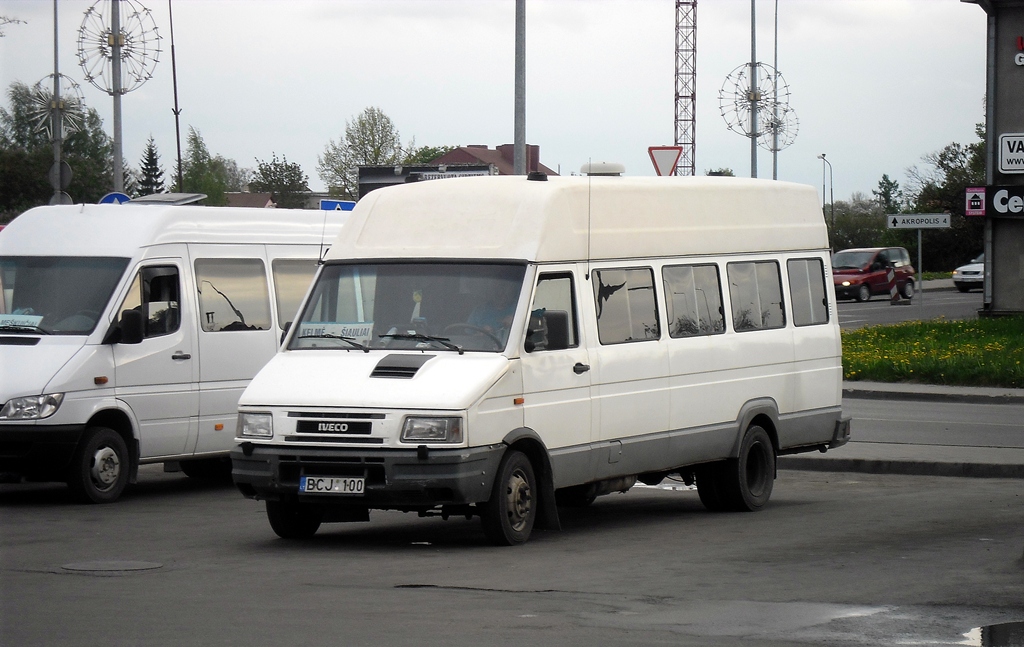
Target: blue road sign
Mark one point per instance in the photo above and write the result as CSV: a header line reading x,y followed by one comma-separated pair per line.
x,y
337,205
114,198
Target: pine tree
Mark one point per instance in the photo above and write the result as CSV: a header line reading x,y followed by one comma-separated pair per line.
x,y
151,176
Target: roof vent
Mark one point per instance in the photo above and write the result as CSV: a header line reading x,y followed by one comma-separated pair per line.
x,y
400,366
537,176
603,169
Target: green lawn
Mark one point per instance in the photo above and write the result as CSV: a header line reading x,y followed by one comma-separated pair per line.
x,y
983,352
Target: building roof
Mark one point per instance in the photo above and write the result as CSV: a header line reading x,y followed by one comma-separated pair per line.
x,y
261,200
501,157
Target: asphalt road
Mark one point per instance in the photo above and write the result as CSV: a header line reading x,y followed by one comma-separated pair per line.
x,y
838,559
934,304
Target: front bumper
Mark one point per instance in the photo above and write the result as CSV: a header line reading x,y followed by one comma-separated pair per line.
x,y
38,451
847,291
403,478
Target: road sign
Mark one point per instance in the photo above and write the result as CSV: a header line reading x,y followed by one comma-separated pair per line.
x,y
60,174
975,198
665,158
1011,153
114,197
337,205
917,220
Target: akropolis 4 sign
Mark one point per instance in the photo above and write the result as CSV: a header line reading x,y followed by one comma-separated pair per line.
x,y
1002,201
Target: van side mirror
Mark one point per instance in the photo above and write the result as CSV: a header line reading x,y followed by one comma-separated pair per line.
x,y
284,330
132,329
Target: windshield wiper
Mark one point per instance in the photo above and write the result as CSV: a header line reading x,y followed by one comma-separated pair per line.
x,y
444,341
349,340
12,328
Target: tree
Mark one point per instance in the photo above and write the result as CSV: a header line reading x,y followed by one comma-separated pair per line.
x,y
26,155
427,154
721,171
204,173
859,222
284,179
151,175
369,139
888,195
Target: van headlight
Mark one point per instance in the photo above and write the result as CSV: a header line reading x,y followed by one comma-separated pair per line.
x,y
432,430
255,425
33,407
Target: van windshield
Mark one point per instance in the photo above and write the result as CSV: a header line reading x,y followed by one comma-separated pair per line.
x,y
433,305
56,295
851,260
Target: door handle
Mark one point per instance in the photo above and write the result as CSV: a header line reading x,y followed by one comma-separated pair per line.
x,y
580,368
181,355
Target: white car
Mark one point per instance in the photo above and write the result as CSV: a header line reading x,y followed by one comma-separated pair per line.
x,y
972,275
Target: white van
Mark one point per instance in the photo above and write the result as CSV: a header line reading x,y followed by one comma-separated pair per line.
x,y
128,332
498,346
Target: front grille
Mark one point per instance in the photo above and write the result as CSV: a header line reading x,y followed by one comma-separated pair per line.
x,y
307,438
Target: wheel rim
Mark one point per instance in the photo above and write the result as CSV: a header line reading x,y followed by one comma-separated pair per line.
x,y
757,469
106,468
519,500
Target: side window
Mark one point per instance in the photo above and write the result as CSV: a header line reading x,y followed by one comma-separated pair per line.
x,y
626,307
693,300
807,287
553,323
233,294
155,293
291,280
756,295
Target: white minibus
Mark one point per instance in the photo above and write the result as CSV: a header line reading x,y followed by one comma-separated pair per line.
x,y
502,346
128,332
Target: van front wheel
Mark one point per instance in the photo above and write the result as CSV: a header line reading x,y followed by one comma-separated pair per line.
x,y
509,515
292,520
100,469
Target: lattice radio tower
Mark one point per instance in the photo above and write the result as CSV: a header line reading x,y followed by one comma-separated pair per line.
x,y
686,85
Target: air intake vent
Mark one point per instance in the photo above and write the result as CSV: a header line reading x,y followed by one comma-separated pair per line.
x,y
400,366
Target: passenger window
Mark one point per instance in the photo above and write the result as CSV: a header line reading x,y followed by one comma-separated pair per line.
x,y
626,306
291,280
154,292
807,287
756,295
693,300
552,323
233,294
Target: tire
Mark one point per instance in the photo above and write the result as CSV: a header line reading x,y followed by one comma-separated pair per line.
x,y
908,290
746,481
577,496
963,287
292,520
509,515
863,293
100,467
209,469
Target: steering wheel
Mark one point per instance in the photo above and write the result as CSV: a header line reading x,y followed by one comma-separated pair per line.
x,y
477,329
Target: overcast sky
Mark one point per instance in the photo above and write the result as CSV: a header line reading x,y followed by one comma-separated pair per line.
x,y
875,84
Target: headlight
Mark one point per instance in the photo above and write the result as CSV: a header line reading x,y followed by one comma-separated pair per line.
x,y
33,407
432,430
846,284
255,425
955,272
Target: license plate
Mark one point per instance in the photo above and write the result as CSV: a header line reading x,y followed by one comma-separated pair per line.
x,y
331,485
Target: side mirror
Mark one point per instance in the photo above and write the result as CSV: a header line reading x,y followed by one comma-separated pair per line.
x,y
132,329
284,331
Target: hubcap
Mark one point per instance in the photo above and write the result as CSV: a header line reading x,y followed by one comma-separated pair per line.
x,y
520,500
106,468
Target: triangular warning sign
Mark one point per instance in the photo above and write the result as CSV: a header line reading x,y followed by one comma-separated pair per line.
x,y
665,158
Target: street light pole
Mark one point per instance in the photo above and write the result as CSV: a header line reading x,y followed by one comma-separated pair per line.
x,y
831,190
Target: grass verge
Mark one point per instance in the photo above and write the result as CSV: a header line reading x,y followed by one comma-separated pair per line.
x,y
982,352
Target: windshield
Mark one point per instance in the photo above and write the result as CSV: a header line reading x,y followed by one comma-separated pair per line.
x,y
56,295
436,306
851,260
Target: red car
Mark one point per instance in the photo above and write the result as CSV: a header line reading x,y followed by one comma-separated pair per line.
x,y
860,273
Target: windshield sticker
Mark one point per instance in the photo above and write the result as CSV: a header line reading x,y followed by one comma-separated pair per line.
x,y
359,332
20,320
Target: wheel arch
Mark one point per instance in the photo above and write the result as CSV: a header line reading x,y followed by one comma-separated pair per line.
x,y
529,442
763,412
122,423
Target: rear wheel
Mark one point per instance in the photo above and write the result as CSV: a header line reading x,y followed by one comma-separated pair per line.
x,y
908,290
100,467
709,479
748,479
292,520
509,515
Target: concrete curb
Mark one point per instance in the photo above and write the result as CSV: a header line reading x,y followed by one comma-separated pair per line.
x,y
931,393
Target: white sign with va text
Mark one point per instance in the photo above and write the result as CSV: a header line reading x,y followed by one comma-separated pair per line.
x,y
1011,153
917,220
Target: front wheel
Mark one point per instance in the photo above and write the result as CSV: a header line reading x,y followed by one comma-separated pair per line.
x,y
509,515
908,290
864,293
292,520
100,467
